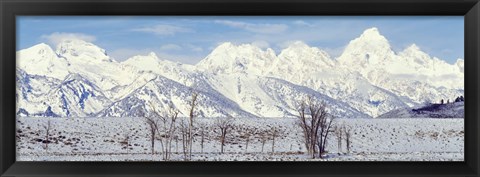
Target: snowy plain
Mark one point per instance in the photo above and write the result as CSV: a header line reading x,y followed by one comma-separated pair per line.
x,y
99,139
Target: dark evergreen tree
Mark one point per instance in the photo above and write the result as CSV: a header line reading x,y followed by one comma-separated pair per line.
x,y
457,99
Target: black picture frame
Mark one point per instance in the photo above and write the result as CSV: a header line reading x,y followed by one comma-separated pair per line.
x,y
9,9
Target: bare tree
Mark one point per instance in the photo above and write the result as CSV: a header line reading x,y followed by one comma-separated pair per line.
x,y
347,131
175,137
325,129
202,128
307,128
224,124
186,127
247,140
193,104
246,134
339,136
275,132
47,135
184,131
264,138
315,124
152,123
166,126
125,142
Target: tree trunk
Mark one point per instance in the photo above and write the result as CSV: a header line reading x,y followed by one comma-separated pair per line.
x,y
263,144
273,144
202,140
153,143
246,145
223,143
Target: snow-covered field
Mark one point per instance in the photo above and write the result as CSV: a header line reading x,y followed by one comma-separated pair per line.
x,y
99,139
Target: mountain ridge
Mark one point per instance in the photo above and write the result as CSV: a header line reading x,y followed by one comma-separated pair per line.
x,y
359,79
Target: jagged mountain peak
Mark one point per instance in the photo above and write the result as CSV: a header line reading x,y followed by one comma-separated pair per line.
x,y
42,60
413,47
41,49
299,54
67,45
153,55
370,48
370,40
42,44
230,47
228,58
76,48
151,62
372,34
298,44
460,64
301,47
460,60
75,43
225,45
150,57
414,53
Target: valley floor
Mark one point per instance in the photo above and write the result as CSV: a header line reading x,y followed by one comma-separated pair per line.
x,y
100,139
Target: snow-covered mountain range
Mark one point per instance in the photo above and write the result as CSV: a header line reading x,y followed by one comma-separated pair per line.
x,y
79,79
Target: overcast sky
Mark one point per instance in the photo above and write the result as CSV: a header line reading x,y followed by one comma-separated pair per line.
x,y
189,39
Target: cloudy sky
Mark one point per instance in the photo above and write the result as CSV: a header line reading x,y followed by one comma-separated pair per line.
x,y
189,39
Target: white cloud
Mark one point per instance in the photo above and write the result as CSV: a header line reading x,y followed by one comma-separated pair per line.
x,y
175,47
163,30
302,23
57,37
170,47
194,48
265,28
